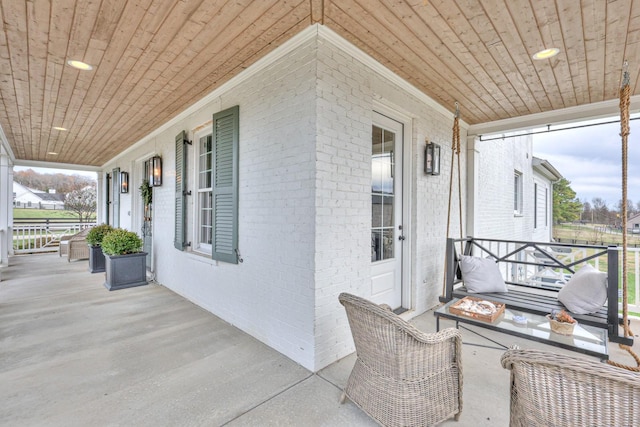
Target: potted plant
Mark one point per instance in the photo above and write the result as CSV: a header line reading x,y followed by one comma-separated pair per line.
x,y
94,240
561,322
125,263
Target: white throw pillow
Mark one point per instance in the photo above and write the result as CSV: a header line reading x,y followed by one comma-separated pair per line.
x,y
481,275
586,291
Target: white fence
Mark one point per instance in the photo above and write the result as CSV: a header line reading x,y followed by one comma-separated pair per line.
x,y
633,276
43,236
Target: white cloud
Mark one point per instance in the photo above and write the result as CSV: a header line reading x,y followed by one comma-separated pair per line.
x,y
591,158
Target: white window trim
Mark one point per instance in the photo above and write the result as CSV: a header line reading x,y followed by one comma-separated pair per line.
x,y
518,210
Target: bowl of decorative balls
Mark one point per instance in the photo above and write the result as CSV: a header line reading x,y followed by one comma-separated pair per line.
x,y
561,322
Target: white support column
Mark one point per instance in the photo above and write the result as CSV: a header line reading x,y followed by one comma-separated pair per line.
x,y
472,185
100,198
6,208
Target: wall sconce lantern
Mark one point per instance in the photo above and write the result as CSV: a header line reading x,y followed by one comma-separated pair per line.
x,y
124,182
432,159
155,177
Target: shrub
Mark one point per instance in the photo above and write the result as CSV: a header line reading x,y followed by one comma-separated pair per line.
x,y
97,233
121,242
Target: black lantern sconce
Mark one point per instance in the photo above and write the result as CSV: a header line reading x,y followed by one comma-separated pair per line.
x,y
155,171
124,182
432,159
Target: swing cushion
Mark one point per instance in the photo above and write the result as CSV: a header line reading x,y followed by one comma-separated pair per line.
x,y
481,275
586,291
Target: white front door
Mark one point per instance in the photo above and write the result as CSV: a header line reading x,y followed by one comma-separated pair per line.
x,y
387,236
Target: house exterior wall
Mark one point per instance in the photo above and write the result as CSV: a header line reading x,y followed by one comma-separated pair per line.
x,y
304,206
24,195
348,94
542,193
497,161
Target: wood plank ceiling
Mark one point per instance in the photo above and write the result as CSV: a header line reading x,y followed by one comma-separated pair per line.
x,y
154,58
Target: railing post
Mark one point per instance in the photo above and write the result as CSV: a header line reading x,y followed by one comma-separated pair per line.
x,y
612,291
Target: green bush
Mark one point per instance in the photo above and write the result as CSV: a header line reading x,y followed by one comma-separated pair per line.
x,y
97,233
121,242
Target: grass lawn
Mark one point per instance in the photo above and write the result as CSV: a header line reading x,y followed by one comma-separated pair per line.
x,y
20,213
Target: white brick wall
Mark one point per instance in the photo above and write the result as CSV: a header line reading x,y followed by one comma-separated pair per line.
x,y
347,91
497,161
305,214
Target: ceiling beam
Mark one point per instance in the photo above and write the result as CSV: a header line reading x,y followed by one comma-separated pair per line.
x,y
576,114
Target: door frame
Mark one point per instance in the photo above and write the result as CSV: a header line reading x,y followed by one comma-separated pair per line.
x,y
137,207
407,192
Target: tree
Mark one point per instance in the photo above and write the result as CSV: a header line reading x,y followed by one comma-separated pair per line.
x,y
600,211
82,202
566,207
587,212
60,182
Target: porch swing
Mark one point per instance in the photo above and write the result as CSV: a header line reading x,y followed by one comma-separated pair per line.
x,y
521,296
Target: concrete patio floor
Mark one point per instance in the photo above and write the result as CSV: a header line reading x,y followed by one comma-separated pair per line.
x,y
74,354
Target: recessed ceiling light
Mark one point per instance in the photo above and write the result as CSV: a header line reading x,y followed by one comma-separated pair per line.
x,y
546,53
80,65
59,128
53,153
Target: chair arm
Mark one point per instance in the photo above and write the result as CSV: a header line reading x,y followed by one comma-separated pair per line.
x,y
433,337
587,368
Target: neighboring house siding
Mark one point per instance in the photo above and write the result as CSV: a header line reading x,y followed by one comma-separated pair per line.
x,y
304,202
542,198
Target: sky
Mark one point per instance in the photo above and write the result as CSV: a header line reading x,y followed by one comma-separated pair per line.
x,y
591,159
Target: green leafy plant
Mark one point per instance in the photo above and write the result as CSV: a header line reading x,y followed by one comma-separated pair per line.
x,y
146,192
97,233
121,242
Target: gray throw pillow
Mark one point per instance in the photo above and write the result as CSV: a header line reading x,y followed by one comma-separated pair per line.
x,y
585,292
481,275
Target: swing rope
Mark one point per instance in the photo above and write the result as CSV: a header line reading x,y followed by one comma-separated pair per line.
x,y
624,133
455,151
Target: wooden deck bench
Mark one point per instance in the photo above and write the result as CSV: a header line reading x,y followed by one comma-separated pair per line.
x,y
521,264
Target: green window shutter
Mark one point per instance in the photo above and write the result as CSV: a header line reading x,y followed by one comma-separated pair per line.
x,y
115,188
225,185
180,239
107,201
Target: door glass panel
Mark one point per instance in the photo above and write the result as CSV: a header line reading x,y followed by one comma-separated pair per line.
x,y
382,194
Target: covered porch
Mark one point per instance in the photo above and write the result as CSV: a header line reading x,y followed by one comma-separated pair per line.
x,y
75,354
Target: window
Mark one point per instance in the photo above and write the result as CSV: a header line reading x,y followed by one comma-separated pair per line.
x,y
216,189
205,205
517,193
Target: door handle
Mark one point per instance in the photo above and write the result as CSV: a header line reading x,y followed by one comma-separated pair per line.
x,y
401,238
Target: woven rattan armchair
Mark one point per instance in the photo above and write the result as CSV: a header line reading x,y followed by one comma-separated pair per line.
x,y
76,246
557,390
402,376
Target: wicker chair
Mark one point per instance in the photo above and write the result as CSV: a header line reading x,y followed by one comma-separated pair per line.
x,y
75,247
402,376
556,390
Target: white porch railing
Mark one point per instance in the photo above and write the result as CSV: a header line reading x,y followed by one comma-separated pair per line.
x,y
43,237
633,277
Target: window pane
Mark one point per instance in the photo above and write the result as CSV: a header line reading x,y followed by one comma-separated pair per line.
x,y
204,169
376,211
205,202
387,211
376,245
377,140
387,242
